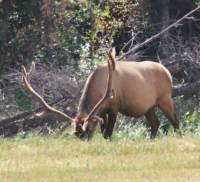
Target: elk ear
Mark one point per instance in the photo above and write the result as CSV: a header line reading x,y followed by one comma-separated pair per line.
x,y
98,119
93,121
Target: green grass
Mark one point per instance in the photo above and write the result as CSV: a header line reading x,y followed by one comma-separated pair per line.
x,y
69,159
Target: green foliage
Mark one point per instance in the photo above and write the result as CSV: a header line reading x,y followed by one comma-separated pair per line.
x,y
188,111
198,2
192,117
23,100
62,31
192,122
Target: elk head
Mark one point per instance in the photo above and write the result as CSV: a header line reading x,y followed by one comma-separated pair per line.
x,y
84,124
84,127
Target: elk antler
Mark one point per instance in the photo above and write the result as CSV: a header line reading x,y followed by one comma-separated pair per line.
x,y
108,88
29,74
48,110
111,55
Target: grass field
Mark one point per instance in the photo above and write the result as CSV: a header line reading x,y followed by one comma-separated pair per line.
x,y
69,159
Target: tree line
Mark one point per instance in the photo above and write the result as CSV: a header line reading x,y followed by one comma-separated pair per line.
x,y
64,32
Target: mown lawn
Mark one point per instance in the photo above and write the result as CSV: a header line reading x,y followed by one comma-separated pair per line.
x,y
121,160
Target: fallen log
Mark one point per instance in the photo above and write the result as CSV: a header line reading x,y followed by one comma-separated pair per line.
x,y
186,89
25,121
177,66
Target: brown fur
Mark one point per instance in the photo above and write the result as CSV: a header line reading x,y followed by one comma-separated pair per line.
x,y
138,87
131,88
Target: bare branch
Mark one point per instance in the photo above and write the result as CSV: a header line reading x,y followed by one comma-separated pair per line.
x,y
135,48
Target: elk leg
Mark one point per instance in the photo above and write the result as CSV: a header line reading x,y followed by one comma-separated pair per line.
x,y
104,124
153,121
167,106
110,125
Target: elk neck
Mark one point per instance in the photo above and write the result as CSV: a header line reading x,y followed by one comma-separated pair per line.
x,y
93,90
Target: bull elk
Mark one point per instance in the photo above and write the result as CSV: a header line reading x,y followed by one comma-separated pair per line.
x,y
131,88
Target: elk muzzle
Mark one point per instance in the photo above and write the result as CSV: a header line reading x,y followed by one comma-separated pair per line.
x,y
86,129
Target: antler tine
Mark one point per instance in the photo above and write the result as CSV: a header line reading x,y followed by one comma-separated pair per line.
x,y
111,55
26,74
107,92
32,69
48,109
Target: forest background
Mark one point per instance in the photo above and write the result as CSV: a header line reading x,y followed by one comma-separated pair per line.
x,y
67,39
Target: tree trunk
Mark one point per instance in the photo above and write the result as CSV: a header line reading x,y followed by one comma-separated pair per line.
x,y
186,89
165,22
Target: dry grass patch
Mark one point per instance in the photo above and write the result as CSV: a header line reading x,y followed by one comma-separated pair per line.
x,y
69,159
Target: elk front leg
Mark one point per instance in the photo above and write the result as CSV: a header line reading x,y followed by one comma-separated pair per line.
x,y
103,125
110,125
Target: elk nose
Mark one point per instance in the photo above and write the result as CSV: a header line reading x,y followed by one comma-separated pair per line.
x,y
76,133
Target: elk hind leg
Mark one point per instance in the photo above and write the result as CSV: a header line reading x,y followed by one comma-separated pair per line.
x,y
153,121
167,106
